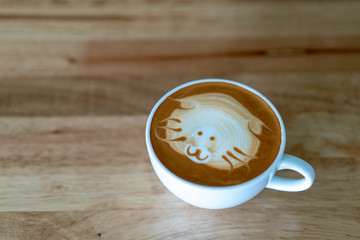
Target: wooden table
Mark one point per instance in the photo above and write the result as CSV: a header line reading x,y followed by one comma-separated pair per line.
x,y
78,78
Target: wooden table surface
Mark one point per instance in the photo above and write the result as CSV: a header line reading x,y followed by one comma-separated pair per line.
x,y
78,78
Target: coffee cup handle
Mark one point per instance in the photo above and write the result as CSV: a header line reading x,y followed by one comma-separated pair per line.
x,y
293,185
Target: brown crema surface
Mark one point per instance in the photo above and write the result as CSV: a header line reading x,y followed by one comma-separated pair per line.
x,y
182,166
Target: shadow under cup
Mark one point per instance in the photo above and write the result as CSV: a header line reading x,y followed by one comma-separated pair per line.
x,y
235,180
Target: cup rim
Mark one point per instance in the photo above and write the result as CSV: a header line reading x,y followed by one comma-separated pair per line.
x,y
206,187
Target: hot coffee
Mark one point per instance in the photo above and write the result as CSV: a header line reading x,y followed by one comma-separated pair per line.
x,y
215,134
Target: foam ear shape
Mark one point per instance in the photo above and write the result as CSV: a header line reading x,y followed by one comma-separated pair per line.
x,y
255,126
187,104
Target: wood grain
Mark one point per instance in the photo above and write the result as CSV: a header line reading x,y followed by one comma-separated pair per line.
x,y
68,96
56,38
75,177
166,58
84,20
78,78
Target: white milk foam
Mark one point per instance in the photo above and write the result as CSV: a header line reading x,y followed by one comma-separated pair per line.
x,y
220,132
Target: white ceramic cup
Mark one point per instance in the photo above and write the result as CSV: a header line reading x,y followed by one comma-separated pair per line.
x,y
230,196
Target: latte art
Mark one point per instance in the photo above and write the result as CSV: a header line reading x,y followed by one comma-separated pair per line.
x,y
215,133
213,129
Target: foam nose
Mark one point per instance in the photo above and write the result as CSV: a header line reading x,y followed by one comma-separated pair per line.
x,y
197,154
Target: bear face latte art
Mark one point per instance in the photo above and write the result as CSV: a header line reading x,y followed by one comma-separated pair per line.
x,y
215,134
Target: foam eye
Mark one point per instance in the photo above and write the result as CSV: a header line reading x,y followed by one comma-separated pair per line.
x,y
200,133
212,138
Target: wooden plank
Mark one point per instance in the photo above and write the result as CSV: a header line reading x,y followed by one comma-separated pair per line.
x,y
68,96
79,163
251,221
72,177
153,58
50,21
65,66
52,38
187,222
